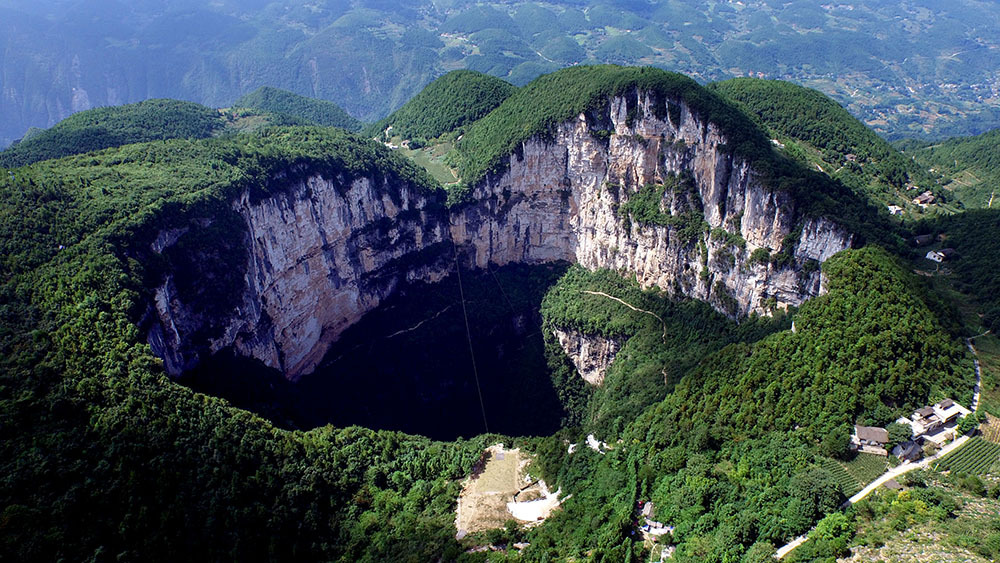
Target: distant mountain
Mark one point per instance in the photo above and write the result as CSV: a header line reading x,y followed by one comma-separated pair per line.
x,y
151,120
316,112
455,99
969,166
102,128
904,68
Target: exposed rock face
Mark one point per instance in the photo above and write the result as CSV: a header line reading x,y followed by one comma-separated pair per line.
x,y
591,354
323,252
560,199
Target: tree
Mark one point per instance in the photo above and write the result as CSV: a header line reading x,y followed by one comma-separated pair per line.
x,y
968,423
898,433
836,443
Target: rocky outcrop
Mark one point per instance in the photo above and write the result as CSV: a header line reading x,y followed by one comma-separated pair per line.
x,y
590,354
320,253
562,196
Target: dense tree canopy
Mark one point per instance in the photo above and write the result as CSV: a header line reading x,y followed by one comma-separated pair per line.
x,y
848,150
311,110
456,99
102,456
115,126
971,163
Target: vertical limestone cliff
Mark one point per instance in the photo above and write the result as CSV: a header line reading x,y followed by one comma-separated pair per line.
x,y
561,198
320,253
590,354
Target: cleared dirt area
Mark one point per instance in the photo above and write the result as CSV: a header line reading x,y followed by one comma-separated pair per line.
x,y
483,502
500,490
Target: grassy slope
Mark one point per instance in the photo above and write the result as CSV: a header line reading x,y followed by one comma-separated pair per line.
x,y
819,132
451,101
970,285
936,522
313,111
971,165
115,126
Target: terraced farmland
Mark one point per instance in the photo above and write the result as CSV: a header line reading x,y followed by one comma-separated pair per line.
x,y
976,457
855,474
848,484
867,467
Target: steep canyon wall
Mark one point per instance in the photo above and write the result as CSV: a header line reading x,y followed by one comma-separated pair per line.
x,y
324,251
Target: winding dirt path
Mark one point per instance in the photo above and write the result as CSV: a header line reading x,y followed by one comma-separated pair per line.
x,y
634,308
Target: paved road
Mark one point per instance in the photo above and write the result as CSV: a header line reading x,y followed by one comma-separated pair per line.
x,y
905,467
979,375
891,474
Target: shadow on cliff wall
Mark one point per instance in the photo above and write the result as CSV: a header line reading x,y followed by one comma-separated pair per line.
x,y
407,365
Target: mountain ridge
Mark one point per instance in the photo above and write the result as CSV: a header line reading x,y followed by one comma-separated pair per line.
x,y
112,256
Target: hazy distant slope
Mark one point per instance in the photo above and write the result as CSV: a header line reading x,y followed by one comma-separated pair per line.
x,y
904,68
319,112
457,98
115,126
971,163
841,145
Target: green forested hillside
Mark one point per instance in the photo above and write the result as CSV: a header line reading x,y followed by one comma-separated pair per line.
x,y
102,456
974,234
970,166
729,457
455,99
724,426
872,331
310,110
564,94
658,347
819,132
115,126
554,98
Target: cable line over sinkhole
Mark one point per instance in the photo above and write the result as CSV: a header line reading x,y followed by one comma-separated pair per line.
x,y
468,336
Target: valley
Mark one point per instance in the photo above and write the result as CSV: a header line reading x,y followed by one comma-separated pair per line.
x,y
405,366
295,342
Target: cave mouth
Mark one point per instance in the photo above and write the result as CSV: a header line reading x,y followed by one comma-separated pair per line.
x,y
407,365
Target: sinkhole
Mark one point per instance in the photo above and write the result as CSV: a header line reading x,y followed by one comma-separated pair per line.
x,y
456,358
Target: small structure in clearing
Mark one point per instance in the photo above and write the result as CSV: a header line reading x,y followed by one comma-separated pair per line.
x,y
870,439
937,423
942,255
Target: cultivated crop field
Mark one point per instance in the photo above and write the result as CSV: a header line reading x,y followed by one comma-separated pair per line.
x,y
975,458
853,475
867,467
848,484
991,429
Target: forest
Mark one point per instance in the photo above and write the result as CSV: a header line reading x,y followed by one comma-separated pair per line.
x,y
103,128
725,426
969,164
848,150
451,101
309,110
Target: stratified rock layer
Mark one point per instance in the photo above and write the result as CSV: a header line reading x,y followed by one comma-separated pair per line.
x,y
324,252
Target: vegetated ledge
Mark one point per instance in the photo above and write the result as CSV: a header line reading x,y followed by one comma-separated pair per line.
x,y
318,248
